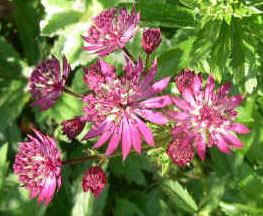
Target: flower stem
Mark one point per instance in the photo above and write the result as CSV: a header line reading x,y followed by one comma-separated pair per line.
x,y
72,93
129,55
81,160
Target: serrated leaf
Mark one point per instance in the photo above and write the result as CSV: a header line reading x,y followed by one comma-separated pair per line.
x,y
167,15
237,209
28,29
13,101
10,62
60,21
3,164
179,196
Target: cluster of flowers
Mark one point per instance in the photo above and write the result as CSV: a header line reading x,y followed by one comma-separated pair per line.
x,y
119,108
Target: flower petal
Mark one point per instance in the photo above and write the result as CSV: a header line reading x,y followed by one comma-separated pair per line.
x,y
107,132
152,116
188,96
178,116
200,146
136,137
232,140
181,104
114,141
145,131
126,138
221,144
156,102
223,91
186,140
239,128
209,88
96,132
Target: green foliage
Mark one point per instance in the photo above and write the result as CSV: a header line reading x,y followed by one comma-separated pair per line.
x,y
212,36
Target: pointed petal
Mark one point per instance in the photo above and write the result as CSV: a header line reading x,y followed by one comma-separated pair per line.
x,y
234,101
186,140
239,128
152,116
149,77
188,96
209,88
156,102
232,140
196,86
136,137
157,87
114,141
145,131
106,68
66,68
181,104
178,116
221,144
200,146
126,138
108,131
223,91
96,132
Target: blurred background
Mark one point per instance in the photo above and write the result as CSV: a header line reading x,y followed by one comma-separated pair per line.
x,y
224,37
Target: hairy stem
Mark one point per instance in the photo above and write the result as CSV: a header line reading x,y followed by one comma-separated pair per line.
x,y
129,55
72,93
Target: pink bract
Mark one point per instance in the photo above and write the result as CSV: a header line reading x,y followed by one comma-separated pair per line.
x,y
116,103
47,82
94,180
73,127
111,31
151,39
38,165
205,115
180,156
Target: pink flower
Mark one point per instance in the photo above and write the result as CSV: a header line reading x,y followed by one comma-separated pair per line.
x,y
116,103
180,156
94,180
205,114
185,79
47,82
38,165
151,39
111,31
73,127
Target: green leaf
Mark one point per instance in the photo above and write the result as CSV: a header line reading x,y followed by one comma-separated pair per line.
x,y
215,192
179,196
13,101
3,164
65,108
237,209
27,21
60,21
10,62
131,169
127,208
167,15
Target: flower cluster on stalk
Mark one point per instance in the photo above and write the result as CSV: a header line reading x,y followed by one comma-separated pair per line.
x,y
119,108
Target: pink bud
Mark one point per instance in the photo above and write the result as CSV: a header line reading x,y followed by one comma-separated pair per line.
x,y
151,39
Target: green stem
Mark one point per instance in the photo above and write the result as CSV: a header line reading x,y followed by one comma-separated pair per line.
x,y
73,93
129,55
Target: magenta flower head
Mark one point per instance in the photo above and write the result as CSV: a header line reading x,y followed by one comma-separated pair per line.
x,y
180,156
118,104
38,165
207,117
185,79
94,180
111,31
151,39
47,82
73,127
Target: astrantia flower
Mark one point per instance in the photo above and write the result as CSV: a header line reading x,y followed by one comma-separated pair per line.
x,y
47,82
111,31
73,127
116,103
151,39
180,156
206,117
185,79
38,165
94,180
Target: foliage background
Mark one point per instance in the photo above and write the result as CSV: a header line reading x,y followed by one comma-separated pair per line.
x,y
219,36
